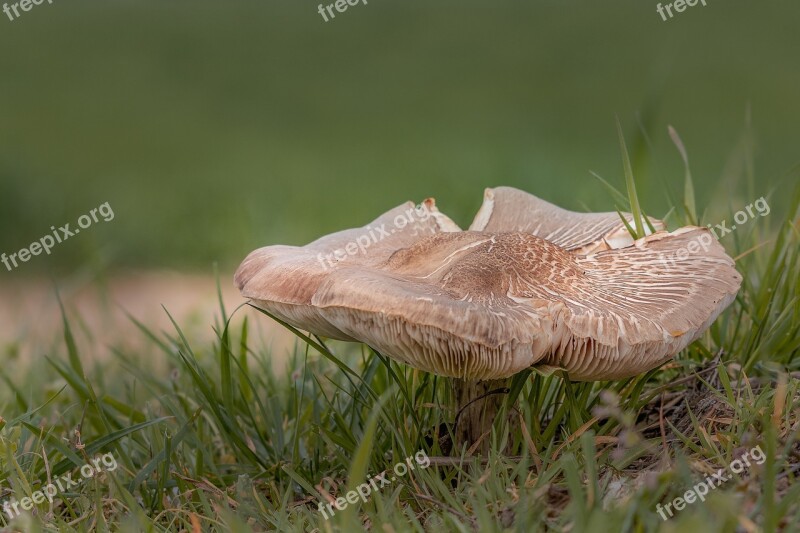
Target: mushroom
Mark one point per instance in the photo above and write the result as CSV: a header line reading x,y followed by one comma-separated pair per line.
x,y
522,291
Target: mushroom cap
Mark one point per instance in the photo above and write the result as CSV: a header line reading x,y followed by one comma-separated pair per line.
x,y
530,284
510,209
282,279
478,305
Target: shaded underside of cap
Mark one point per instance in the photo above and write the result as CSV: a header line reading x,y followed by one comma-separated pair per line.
x,y
479,305
509,209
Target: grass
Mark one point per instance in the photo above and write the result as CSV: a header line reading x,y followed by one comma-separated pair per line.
x,y
223,443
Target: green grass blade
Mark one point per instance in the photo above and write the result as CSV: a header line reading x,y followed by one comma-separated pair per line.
x,y
631,184
688,186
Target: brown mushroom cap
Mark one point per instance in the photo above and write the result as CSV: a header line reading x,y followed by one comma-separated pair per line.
x,y
282,279
478,305
510,209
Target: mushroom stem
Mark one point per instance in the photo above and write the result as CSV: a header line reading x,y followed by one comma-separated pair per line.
x,y
478,403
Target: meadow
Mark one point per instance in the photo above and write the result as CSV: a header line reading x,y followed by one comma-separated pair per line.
x,y
212,130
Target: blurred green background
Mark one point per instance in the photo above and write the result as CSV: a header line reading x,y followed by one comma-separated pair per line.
x,y
213,128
